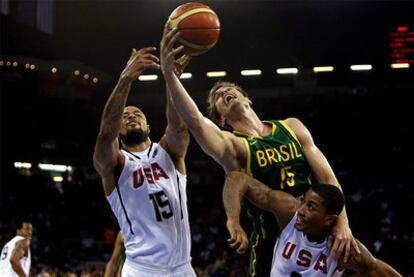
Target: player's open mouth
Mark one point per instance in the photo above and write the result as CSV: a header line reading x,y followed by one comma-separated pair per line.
x,y
299,220
132,123
228,98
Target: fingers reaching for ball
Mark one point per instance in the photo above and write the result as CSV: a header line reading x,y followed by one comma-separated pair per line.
x,y
168,52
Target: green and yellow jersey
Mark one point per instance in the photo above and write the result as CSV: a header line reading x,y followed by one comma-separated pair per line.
x,y
278,161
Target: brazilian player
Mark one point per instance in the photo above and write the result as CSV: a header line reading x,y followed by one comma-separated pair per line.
x,y
280,153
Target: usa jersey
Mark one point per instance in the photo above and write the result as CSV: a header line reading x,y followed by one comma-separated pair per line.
x,y
6,269
150,204
295,254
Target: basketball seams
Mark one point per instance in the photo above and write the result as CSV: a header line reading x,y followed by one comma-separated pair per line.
x,y
174,22
195,46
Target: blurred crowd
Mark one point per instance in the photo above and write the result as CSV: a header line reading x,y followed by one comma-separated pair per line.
x,y
361,129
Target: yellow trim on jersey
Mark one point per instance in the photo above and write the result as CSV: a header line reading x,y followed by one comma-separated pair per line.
x,y
290,131
274,126
249,158
262,227
254,255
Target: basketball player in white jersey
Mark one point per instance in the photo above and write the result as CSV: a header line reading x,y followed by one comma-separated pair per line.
x,y
15,257
144,181
301,249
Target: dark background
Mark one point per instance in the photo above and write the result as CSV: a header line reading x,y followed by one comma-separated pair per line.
x,y
360,120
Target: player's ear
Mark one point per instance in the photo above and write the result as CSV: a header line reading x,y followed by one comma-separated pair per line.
x,y
330,220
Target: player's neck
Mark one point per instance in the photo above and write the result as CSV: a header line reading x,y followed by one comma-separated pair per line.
x,y
250,124
138,147
318,238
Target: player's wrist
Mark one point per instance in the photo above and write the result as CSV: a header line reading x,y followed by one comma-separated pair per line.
x,y
232,220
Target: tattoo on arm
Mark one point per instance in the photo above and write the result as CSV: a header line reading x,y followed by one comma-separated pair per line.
x,y
359,262
112,113
233,191
259,194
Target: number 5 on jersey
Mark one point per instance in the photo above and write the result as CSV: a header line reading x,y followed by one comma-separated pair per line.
x,y
286,177
162,206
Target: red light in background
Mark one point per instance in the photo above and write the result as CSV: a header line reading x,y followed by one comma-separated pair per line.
x,y
402,29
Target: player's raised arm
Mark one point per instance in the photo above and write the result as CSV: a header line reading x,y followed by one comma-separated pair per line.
x,y
176,138
323,173
107,156
214,142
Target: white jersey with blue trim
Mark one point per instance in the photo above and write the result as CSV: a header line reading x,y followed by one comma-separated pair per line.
x,y
150,204
295,255
6,269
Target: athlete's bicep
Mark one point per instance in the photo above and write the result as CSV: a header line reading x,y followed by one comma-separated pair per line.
x,y
282,204
214,142
321,169
19,250
106,155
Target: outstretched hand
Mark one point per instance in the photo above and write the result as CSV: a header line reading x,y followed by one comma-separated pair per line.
x,y
139,61
167,52
238,238
340,242
180,64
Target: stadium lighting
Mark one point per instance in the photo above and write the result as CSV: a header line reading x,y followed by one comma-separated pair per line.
x,y
22,165
186,75
400,65
55,167
323,69
57,179
214,74
251,72
151,77
288,70
361,67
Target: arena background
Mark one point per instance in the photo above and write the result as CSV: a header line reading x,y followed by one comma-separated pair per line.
x,y
60,60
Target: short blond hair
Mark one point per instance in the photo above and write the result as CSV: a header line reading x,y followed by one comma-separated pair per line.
x,y
211,105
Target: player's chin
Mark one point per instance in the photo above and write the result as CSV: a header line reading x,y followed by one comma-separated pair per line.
x,y
299,226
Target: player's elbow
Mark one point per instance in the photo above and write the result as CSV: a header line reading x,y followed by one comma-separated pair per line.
x,y
193,123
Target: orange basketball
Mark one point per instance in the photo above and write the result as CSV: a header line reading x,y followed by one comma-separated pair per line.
x,y
198,25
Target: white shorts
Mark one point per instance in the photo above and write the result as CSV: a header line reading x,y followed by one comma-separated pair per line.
x,y
133,270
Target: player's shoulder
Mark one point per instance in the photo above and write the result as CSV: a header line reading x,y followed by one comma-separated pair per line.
x,y
292,121
23,243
